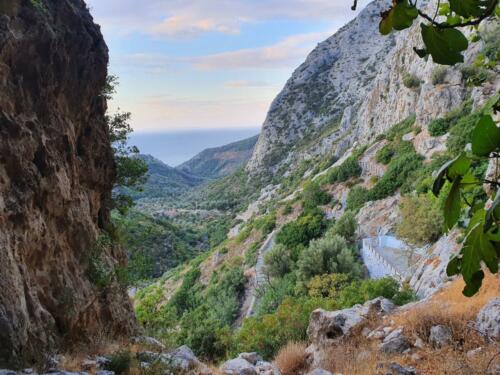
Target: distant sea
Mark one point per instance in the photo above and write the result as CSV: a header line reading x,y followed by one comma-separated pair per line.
x,y
174,148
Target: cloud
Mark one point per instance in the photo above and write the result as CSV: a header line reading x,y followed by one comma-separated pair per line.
x,y
283,54
189,18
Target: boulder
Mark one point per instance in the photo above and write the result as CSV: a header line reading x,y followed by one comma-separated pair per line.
x,y
397,369
150,342
440,336
238,366
488,319
327,327
319,371
395,343
253,357
7,372
183,358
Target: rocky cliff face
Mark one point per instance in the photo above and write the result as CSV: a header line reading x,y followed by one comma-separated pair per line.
x,y
352,88
56,175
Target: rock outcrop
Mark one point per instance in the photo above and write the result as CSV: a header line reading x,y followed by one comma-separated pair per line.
x,y
488,319
56,176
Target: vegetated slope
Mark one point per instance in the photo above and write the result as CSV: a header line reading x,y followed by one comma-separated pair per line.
x,y
164,180
422,116
56,175
220,161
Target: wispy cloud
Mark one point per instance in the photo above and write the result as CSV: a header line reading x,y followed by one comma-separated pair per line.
x,y
283,54
188,18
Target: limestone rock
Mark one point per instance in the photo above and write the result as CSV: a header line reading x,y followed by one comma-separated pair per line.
x,y
253,357
395,343
149,342
238,366
56,172
319,371
488,319
440,336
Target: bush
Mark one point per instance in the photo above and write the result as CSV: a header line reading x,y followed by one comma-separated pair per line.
x,y
119,362
346,226
461,134
302,230
185,297
314,196
266,223
401,128
438,127
411,81
328,255
421,219
356,198
348,169
251,255
366,290
272,295
278,261
269,333
476,76
328,286
385,154
438,75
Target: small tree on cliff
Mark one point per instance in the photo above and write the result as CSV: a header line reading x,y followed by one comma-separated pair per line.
x,y
131,172
445,43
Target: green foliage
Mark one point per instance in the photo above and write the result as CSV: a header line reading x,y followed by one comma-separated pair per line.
x,y
461,133
185,297
481,239
400,129
348,169
273,294
328,286
361,291
269,333
346,227
438,127
476,76
442,40
438,75
299,232
356,198
330,254
385,154
278,261
411,81
251,255
119,362
421,219
314,196
266,223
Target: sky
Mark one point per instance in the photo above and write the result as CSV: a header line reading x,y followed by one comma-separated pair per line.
x,y
209,64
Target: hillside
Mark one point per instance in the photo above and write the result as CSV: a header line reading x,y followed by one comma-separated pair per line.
x,y
165,181
220,161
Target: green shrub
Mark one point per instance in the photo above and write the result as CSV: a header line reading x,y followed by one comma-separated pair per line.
x,y
401,128
438,127
328,286
346,227
404,295
278,261
385,154
349,168
421,219
356,198
330,254
119,362
314,196
411,81
185,297
252,254
366,290
288,209
269,333
266,223
476,76
302,230
438,75
272,295
461,134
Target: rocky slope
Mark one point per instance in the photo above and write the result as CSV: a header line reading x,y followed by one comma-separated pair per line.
x,y
352,88
220,161
56,175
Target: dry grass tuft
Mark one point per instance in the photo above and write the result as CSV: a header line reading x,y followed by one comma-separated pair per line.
x,y
291,359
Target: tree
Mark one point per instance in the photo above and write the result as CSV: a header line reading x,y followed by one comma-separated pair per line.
x,y
278,261
130,170
346,226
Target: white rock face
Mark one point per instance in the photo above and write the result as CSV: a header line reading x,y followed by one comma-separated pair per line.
x,y
488,319
351,88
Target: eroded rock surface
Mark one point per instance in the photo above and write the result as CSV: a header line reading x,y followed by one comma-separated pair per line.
x,y
56,176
